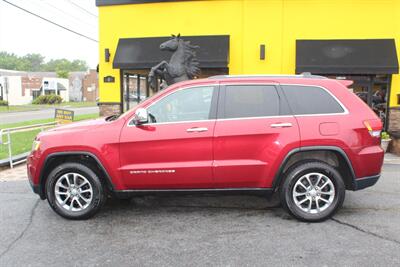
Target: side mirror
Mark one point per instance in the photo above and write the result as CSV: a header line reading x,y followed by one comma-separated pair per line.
x,y
141,116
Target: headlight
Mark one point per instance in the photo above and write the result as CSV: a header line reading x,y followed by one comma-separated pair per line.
x,y
35,145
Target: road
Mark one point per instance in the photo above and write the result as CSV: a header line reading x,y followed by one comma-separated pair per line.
x,y
202,230
41,114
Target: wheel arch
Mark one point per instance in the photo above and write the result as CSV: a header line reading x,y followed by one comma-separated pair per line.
x,y
332,155
86,158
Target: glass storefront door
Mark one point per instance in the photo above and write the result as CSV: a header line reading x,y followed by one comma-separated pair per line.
x,y
135,89
373,90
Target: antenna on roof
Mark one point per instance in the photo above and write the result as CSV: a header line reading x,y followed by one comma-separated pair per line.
x,y
302,75
306,74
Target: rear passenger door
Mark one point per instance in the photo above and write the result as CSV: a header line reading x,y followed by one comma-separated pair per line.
x,y
254,131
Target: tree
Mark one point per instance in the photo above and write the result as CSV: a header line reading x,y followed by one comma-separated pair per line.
x,y
79,65
35,62
8,61
62,74
65,64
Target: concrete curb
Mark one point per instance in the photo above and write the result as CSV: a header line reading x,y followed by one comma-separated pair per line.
x,y
5,162
391,159
47,108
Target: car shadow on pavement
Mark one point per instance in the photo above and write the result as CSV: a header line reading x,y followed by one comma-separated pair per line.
x,y
209,203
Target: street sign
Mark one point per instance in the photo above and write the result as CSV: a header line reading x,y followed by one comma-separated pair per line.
x,y
64,115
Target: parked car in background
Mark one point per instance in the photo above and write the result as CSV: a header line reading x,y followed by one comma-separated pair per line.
x,y
306,138
133,97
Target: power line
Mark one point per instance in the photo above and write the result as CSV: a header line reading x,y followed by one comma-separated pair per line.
x,y
81,8
66,14
61,12
54,23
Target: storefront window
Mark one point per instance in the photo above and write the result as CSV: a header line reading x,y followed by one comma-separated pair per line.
x,y
373,90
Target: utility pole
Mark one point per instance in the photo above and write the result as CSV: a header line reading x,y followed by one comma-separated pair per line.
x,y
1,91
6,90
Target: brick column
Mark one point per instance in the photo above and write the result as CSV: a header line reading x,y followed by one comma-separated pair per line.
x,y
394,120
394,130
107,109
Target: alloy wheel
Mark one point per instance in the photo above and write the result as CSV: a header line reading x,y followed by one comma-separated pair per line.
x,y
73,192
313,192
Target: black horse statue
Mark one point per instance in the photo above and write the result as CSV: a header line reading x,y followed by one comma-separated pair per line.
x,y
182,66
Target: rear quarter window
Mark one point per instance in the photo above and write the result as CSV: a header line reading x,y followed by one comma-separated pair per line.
x,y
305,100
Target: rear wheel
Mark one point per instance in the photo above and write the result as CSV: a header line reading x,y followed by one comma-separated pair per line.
x,y
74,191
312,191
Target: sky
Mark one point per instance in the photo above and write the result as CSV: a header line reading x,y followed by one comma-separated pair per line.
x,y
22,33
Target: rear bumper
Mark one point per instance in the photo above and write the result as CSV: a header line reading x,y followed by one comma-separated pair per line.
x,y
367,162
365,182
367,165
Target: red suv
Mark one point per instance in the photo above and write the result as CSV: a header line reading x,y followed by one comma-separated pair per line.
x,y
306,138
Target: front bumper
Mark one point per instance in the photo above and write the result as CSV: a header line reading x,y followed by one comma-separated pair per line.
x,y
31,170
365,182
35,188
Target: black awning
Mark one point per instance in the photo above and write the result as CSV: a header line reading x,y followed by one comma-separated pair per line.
x,y
144,53
371,56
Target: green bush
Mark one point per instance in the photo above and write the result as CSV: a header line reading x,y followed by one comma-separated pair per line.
x,y
385,136
47,99
3,103
40,100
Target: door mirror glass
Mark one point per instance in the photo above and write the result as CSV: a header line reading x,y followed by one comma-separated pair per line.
x,y
141,116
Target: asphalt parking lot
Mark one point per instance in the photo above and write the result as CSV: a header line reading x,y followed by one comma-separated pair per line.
x,y
202,230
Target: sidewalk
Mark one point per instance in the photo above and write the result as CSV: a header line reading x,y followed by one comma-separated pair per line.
x,y
18,173
391,159
22,116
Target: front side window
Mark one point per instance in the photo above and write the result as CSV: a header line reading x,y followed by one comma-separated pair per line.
x,y
192,104
250,101
305,100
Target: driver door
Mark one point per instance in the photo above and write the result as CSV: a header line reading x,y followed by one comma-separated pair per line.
x,y
174,150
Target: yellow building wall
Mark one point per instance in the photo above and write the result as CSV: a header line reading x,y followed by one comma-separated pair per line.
x,y
275,23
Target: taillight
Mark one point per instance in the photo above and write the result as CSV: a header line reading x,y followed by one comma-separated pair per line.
x,y
374,127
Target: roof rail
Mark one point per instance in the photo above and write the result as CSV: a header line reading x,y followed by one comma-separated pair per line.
x,y
302,75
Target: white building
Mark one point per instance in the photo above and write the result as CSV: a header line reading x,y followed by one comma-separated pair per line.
x,y
20,88
13,92
55,86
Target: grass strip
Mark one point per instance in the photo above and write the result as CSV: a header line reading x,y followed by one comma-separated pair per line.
x,y
22,141
32,122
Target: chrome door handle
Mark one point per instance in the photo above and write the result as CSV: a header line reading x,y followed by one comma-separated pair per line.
x,y
197,130
281,125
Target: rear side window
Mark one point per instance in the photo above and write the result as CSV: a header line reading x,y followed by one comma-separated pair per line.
x,y
250,101
310,100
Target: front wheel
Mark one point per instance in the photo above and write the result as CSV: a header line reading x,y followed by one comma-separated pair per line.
x,y
74,191
312,191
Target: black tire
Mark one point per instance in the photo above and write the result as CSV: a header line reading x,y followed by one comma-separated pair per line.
x,y
297,172
98,193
